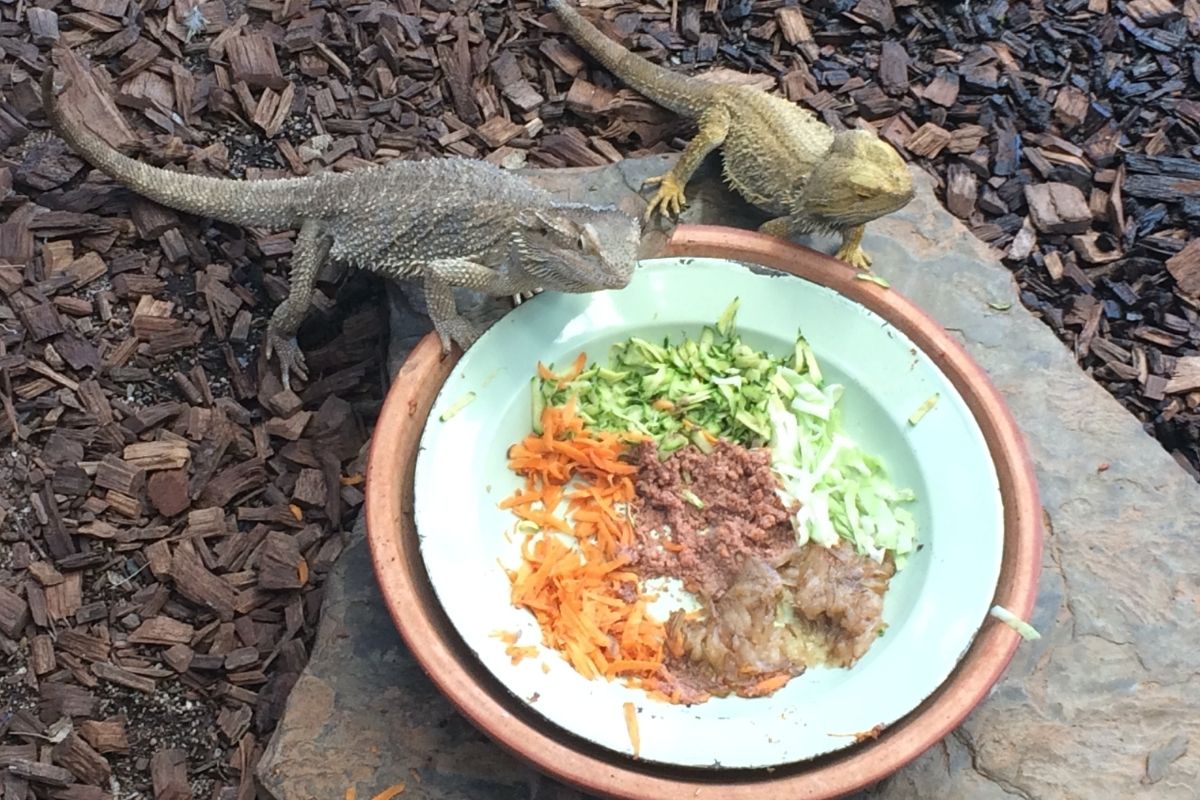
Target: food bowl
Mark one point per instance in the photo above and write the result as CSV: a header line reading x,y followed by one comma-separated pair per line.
x,y
586,758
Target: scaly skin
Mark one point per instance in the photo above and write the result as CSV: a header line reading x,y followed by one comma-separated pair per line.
x,y
779,156
448,222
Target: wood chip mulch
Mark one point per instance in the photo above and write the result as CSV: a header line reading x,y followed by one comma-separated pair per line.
x,y
168,511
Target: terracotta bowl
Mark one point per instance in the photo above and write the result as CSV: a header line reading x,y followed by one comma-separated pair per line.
x,y
436,645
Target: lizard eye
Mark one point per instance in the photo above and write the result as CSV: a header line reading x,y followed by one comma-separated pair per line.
x,y
589,239
862,189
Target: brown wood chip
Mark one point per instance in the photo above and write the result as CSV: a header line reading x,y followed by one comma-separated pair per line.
x,y
1184,267
123,677
106,736
198,584
14,613
162,630
82,760
280,564
36,772
1058,208
169,775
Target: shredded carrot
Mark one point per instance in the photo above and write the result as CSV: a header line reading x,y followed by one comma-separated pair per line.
x,y
390,792
508,637
632,725
571,374
767,685
631,666
575,584
518,654
349,793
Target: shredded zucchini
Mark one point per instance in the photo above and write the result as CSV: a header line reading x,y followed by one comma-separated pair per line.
x,y
457,406
675,392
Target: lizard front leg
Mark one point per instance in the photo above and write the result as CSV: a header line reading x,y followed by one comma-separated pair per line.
x,y
310,252
670,199
441,276
851,250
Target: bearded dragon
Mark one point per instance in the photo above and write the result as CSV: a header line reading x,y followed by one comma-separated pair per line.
x,y
448,222
778,155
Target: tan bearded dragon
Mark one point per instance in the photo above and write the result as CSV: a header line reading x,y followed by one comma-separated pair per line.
x,y
448,222
778,155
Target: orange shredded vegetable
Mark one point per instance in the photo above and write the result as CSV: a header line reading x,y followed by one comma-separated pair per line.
x,y
518,654
767,685
631,723
571,374
390,792
577,591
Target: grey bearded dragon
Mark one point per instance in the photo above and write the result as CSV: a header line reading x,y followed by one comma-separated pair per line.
x,y
778,155
448,222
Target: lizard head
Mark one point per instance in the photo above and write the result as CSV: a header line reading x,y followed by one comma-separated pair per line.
x,y
861,178
577,248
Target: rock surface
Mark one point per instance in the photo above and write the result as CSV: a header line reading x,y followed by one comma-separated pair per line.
x,y
1106,704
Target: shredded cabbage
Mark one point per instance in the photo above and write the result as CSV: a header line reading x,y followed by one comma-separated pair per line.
x,y
843,491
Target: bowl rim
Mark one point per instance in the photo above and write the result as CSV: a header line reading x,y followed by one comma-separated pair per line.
x,y
444,657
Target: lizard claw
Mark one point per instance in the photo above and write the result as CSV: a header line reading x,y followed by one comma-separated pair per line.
x,y
291,359
521,297
855,256
457,331
669,199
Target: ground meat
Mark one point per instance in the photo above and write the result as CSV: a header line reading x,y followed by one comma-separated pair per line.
x,y
835,598
736,644
705,547
770,609
840,595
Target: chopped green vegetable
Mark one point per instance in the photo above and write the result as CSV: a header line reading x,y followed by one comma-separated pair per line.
x,y
842,491
923,409
538,405
457,406
1027,631
725,322
691,497
697,391
873,278
1000,306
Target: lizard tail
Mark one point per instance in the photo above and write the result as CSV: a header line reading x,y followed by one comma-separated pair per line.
x,y
266,203
683,95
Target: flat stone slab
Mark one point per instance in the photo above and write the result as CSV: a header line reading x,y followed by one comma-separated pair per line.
x,y
1105,705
